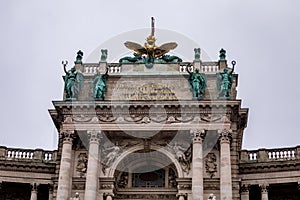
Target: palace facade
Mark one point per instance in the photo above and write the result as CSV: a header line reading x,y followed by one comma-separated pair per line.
x,y
141,129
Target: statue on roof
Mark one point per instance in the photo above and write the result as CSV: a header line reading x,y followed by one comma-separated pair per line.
x,y
197,83
224,82
73,82
99,84
150,51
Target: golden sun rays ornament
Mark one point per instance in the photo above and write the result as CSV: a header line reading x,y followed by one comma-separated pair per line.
x,y
150,52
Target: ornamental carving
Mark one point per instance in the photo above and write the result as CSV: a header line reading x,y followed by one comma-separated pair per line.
x,y
172,178
245,188
123,181
225,136
81,166
198,135
147,196
264,188
183,155
184,187
67,135
109,156
211,164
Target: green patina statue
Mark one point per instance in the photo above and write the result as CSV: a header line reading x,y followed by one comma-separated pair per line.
x,y
73,82
197,83
224,82
222,55
103,55
99,84
197,54
79,57
137,58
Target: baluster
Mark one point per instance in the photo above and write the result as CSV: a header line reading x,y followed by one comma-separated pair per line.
x,y
254,156
8,154
50,156
31,155
281,154
293,153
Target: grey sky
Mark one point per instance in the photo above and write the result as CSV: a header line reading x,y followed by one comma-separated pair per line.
x,y
262,36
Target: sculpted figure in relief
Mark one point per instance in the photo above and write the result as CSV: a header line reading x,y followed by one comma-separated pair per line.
x,y
183,155
82,163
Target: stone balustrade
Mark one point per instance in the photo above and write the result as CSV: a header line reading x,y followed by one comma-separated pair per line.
x,y
115,68
268,155
17,154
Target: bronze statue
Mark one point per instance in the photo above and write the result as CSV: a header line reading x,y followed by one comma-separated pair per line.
x,y
99,84
224,82
197,82
73,82
150,50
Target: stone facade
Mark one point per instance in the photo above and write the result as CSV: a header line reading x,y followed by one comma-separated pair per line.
x,y
150,139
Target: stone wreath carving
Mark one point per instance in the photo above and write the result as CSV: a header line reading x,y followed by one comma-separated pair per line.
x,y
211,164
82,163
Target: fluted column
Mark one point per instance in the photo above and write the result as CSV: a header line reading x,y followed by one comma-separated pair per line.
x,y
225,166
33,195
63,189
264,191
197,164
91,184
245,192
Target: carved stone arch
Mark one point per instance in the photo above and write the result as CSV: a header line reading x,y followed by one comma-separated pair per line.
x,y
136,148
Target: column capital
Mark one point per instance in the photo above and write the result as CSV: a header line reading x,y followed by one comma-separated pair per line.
x,y
33,187
67,135
264,187
225,135
245,188
94,136
198,135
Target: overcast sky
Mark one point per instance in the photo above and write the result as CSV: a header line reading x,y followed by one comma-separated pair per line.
x,y
262,36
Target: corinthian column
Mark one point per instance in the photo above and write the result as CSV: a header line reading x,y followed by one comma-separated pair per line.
x,y
63,189
91,184
225,166
245,192
33,195
264,191
197,164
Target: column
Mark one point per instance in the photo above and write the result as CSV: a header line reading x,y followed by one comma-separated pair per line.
x,y
225,166
33,195
197,164
181,196
245,192
50,189
91,184
109,196
264,191
63,189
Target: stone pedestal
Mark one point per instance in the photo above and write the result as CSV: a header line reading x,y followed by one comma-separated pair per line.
x,y
264,191
63,189
225,166
91,184
245,192
197,164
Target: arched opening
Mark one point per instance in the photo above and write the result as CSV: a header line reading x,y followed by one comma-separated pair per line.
x,y
141,174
